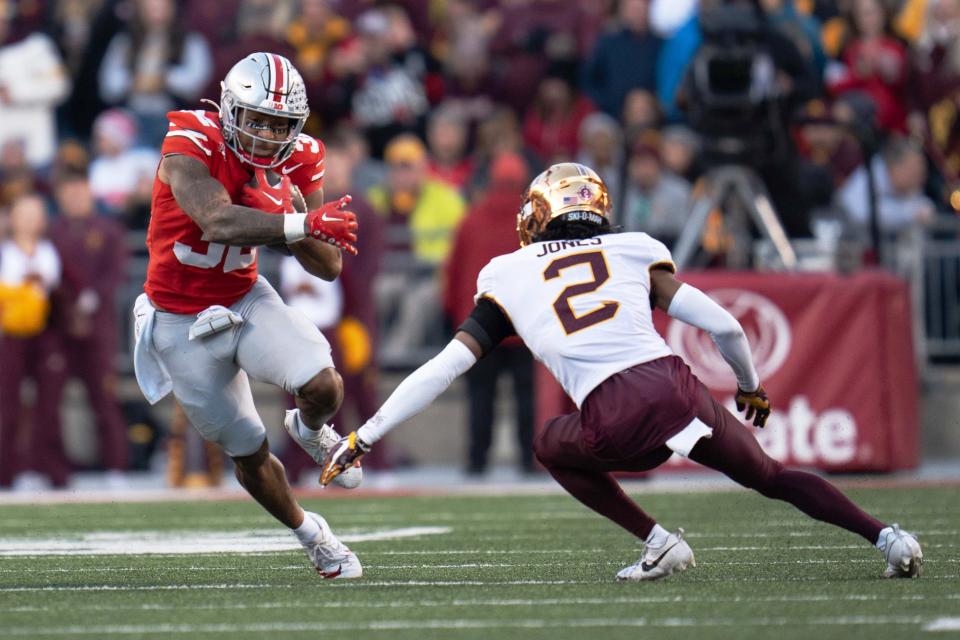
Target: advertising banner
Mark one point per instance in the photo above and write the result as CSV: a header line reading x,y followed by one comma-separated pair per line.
x,y
835,354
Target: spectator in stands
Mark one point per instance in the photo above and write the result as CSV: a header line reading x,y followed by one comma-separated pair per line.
x,y
17,177
313,33
552,122
463,44
156,64
487,231
640,111
29,271
85,313
803,30
421,216
533,36
824,140
390,98
447,142
657,201
623,59
900,171
121,174
497,133
601,148
367,172
874,62
71,27
407,52
679,149
33,81
937,69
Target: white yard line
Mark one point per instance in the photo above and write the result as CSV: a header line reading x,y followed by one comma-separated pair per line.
x,y
943,624
453,625
185,542
481,602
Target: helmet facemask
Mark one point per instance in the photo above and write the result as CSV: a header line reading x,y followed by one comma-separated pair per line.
x,y
266,84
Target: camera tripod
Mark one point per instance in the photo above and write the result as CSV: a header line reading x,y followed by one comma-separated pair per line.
x,y
739,193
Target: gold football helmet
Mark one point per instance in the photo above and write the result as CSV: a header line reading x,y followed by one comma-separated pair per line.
x,y
568,189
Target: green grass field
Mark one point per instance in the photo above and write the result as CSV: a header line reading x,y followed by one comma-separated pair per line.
x,y
506,567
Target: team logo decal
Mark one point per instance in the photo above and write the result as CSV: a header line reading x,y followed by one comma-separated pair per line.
x,y
585,193
767,329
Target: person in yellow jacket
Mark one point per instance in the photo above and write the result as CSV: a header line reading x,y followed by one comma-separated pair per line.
x,y
422,216
29,270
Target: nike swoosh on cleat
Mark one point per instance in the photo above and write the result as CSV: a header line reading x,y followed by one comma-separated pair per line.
x,y
646,566
330,575
287,170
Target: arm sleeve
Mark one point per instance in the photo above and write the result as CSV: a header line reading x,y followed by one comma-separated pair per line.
x,y
696,308
418,390
488,325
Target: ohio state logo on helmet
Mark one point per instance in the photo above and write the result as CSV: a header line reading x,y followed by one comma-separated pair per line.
x,y
268,84
767,329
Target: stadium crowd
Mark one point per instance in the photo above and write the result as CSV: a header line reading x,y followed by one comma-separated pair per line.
x,y
435,115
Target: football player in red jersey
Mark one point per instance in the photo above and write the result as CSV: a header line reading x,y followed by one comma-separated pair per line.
x,y
638,403
207,321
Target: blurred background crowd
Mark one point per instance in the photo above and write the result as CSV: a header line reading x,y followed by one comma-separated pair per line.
x,y
435,115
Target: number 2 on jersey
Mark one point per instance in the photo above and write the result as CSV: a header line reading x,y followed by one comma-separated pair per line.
x,y
598,265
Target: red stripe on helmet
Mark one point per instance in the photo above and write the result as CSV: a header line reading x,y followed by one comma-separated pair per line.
x,y
279,77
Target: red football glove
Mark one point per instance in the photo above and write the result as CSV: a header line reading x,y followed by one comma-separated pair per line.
x,y
333,224
278,199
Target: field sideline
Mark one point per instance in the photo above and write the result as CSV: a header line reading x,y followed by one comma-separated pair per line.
x,y
471,566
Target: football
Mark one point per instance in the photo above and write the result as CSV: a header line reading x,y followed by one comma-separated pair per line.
x,y
299,203
349,478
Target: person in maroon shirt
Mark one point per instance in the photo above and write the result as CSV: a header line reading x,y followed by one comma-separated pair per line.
x,y
85,316
484,233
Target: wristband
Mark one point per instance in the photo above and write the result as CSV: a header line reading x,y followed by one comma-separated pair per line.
x,y
293,224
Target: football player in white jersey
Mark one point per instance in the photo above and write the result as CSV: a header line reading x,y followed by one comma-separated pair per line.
x,y
581,297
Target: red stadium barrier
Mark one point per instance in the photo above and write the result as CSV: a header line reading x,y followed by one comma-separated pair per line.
x,y
835,354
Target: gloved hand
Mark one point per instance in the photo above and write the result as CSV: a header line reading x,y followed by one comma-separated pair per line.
x,y
756,404
342,456
334,225
265,197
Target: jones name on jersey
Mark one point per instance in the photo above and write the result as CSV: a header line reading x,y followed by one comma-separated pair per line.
x,y
581,306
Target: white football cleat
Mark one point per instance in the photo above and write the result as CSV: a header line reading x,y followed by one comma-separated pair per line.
x,y
330,557
674,555
902,552
317,446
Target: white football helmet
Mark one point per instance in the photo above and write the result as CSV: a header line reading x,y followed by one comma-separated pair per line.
x,y
268,84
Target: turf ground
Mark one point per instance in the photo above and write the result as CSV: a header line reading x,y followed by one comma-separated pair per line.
x,y
471,568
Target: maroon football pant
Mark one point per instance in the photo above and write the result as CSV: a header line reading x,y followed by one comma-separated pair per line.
x,y
732,450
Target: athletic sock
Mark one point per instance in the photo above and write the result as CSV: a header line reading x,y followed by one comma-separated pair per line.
x,y
658,537
305,432
307,531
